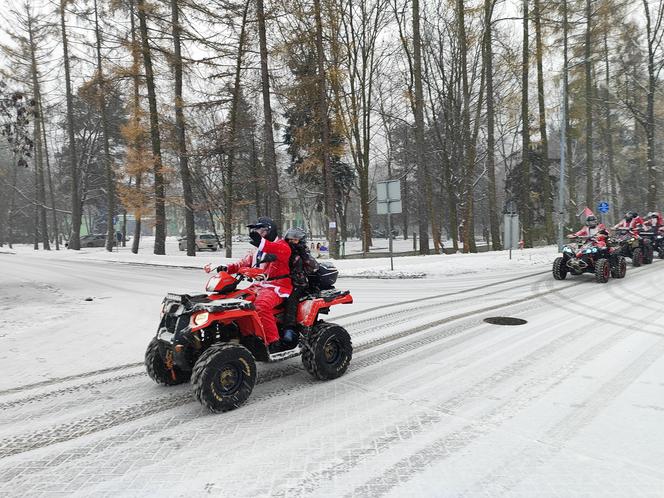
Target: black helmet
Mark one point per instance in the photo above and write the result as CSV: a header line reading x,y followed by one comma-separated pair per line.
x,y
325,276
296,233
591,221
265,222
629,215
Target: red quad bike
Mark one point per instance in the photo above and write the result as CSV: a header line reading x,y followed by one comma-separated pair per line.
x,y
215,339
590,257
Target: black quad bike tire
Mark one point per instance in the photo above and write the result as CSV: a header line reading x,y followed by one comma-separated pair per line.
x,y
602,270
327,352
620,268
223,377
157,370
637,257
648,254
660,252
559,269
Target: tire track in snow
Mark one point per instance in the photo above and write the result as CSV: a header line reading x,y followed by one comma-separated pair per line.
x,y
64,432
447,446
373,320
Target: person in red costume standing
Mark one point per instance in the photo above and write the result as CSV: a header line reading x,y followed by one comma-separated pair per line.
x,y
272,254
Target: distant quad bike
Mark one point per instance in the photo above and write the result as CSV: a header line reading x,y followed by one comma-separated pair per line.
x,y
632,245
656,239
590,257
214,339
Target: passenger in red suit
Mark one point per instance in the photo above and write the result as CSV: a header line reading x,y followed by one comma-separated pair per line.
x,y
653,221
272,255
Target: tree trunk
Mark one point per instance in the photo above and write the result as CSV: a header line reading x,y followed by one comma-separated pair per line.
x,y
609,133
546,179
108,162
328,174
525,206
136,83
494,222
650,106
468,154
159,201
228,187
183,157
56,233
571,176
40,193
76,215
422,212
589,107
269,156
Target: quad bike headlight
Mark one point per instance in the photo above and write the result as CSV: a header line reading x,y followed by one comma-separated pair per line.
x,y
201,318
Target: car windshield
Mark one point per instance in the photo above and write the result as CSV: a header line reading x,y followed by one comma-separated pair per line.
x,y
206,237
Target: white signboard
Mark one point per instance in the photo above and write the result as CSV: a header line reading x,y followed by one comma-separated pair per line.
x,y
511,231
388,197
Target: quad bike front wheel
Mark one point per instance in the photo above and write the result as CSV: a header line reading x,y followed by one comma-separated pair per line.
x,y
224,376
637,257
620,268
559,268
328,351
648,254
158,368
602,270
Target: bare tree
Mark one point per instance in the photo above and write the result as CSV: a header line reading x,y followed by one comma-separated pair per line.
x,y
159,201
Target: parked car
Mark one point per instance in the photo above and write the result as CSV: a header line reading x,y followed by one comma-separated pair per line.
x,y
93,240
204,241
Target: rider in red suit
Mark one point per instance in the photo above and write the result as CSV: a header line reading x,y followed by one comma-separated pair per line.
x,y
277,286
590,229
632,220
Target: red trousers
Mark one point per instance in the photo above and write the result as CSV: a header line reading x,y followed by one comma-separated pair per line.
x,y
266,301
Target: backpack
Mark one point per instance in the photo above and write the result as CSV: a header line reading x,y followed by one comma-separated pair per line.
x,y
302,264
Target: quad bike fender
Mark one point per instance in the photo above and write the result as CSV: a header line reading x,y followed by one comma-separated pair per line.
x,y
247,321
307,311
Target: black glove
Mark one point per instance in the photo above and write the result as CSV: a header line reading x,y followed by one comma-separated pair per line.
x,y
255,238
267,258
221,268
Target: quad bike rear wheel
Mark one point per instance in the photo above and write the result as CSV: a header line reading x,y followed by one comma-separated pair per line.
x,y
328,351
648,254
637,257
559,268
620,268
159,371
602,270
224,376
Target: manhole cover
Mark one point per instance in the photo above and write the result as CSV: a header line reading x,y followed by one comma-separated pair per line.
x,y
505,320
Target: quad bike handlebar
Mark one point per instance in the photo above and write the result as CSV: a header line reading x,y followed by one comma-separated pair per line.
x,y
244,273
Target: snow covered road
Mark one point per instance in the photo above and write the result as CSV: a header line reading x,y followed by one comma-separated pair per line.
x,y
436,402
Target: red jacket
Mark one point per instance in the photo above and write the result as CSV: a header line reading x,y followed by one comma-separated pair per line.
x,y
632,224
277,268
654,224
586,231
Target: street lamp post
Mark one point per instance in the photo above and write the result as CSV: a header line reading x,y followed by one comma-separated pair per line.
x,y
563,151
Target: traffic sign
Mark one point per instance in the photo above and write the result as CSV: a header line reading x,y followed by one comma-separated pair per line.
x,y
388,197
603,207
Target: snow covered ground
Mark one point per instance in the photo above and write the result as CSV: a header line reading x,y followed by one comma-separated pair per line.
x,y
436,402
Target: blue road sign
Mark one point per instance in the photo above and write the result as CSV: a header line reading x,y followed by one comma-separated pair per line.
x,y
603,207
